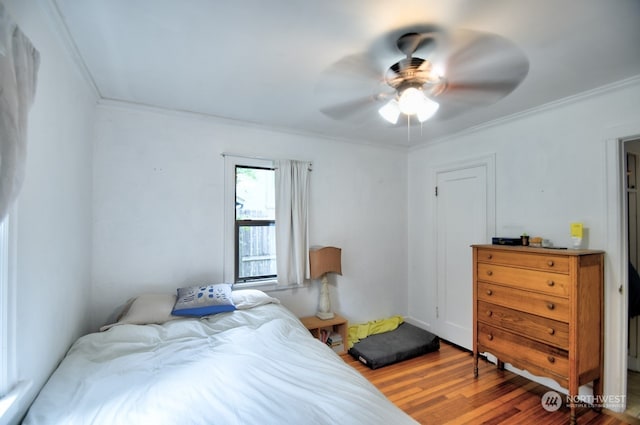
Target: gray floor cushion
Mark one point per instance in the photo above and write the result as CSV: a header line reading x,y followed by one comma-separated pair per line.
x,y
404,342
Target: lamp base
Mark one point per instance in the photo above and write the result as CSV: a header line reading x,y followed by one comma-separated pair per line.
x,y
325,315
324,305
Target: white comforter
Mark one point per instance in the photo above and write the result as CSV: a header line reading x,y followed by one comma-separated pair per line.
x,y
256,366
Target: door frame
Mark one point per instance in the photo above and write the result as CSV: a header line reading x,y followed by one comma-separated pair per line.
x,y
632,362
489,162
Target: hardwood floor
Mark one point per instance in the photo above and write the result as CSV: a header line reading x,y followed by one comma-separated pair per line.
x,y
439,388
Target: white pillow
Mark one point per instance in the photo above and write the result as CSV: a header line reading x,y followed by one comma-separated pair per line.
x,y
147,309
248,298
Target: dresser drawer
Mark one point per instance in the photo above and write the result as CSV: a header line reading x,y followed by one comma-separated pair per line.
x,y
521,351
536,327
544,305
548,262
547,282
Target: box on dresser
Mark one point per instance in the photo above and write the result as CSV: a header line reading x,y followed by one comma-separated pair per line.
x,y
541,310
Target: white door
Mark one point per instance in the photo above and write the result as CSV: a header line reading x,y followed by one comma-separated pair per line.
x,y
461,220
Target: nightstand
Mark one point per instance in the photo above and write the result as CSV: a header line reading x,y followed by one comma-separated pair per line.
x,y
338,324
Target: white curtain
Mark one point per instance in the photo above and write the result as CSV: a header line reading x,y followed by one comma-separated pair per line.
x,y
19,62
292,214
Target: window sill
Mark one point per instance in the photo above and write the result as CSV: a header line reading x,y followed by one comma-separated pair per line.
x,y
13,398
266,285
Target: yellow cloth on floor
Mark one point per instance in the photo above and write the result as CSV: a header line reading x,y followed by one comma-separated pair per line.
x,y
361,331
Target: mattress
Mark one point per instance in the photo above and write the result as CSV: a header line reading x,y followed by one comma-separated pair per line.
x,y
403,343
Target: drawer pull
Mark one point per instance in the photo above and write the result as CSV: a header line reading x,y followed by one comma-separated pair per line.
x,y
551,306
551,359
490,337
550,263
489,292
489,273
489,313
551,331
489,257
550,282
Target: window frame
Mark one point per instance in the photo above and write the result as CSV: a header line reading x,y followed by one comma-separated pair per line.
x,y
230,269
12,391
8,375
4,319
245,223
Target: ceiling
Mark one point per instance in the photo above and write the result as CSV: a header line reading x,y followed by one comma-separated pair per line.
x,y
263,62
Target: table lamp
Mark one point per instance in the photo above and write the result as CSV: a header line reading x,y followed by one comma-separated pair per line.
x,y
323,261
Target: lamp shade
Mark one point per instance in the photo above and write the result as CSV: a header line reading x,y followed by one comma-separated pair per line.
x,y
325,260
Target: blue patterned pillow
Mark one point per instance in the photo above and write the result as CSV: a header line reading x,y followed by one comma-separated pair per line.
x,y
203,300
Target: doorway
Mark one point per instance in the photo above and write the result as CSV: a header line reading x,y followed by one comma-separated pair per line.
x,y
632,186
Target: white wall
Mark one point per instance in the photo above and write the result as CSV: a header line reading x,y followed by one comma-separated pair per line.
x,y
550,171
54,207
158,209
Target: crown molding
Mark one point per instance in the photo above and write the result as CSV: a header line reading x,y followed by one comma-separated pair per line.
x,y
598,91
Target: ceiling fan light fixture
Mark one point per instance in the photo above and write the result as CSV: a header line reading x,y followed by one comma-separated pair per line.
x,y
390,111
427,110
415,103
411,100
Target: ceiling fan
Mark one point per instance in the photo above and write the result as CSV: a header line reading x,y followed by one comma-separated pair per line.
x,y
441,74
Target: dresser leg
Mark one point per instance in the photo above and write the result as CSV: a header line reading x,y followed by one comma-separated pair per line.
x,y
574,391
475,364
597,394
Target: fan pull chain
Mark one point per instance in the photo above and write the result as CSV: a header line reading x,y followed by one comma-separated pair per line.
x,y
408,128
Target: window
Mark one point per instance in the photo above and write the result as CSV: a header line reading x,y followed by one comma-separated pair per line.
x,y
252,225
254,236
249,223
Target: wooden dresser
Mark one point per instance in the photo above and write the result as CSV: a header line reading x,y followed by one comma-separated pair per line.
x,y
541,310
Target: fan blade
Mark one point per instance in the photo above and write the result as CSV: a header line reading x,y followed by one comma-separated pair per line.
x,y
461,98
486,61
351,108
357,77
451,109
480,69
477,93
358,66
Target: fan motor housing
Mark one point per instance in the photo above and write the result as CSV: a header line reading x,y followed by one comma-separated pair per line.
x,y
413,72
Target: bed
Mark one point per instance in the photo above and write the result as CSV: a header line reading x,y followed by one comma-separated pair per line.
x,y
255,365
